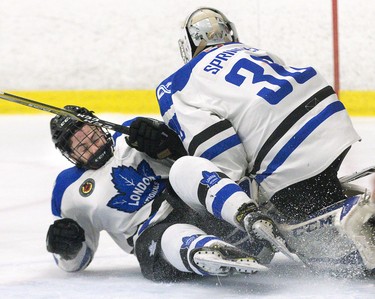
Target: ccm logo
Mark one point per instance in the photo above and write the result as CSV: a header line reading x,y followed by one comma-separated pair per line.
x,y
310,227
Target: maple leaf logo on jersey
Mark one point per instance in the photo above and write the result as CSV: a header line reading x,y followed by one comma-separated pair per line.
x,y
186,241
136,187
210,178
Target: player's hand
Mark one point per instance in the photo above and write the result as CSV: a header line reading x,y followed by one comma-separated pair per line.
x,y
154,138
65,237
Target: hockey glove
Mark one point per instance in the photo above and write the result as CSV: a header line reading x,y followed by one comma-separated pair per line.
x,y
65,238
154,138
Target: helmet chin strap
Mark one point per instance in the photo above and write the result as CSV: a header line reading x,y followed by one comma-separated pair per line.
x,y
203,45
101,157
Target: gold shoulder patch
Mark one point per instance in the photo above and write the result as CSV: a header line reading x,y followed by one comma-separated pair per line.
x,y
87,187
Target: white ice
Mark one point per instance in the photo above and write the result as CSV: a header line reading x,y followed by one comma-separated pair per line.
x,y
29,165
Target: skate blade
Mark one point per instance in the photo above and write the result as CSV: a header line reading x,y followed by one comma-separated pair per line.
x,y
213,262
263,229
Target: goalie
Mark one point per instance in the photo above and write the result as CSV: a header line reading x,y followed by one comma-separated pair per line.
x,y
242,113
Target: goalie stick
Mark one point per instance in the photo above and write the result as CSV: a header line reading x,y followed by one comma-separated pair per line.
x,y
80,117
357,175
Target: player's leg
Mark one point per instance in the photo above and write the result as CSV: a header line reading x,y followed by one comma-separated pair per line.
x,y
298,201
201,185
151,258
188,248
173,252
214,226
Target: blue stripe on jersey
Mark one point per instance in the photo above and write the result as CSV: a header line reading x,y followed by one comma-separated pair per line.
x,y
63,181
174,83
146,224
175,126
222,196
221,147
298,138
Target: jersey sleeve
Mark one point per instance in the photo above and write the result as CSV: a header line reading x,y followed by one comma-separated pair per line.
x,y
212,137
204,132
60,210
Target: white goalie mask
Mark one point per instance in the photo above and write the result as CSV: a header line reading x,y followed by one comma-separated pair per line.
x,y
205,27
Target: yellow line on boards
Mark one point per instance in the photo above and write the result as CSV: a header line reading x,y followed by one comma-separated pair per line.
x,y
358,103
117,101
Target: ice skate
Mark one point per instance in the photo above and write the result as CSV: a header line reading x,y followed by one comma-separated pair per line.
x,y
220,259
262,228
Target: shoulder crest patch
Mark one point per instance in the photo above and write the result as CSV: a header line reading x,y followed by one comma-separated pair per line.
x,y
87,187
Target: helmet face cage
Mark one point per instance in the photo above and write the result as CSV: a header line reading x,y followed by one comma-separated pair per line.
x,y
89,147
84,145
205,27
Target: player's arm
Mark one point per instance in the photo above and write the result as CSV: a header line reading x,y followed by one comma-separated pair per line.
x,y
154,138
72,244
66,240
210,136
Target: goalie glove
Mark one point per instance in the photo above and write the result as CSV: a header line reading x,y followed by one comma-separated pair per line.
x,y
154,138
65,237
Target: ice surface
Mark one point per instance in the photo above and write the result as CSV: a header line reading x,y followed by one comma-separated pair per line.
x,y
29,165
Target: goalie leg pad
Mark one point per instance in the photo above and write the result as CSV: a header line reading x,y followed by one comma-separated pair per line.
x,y
336,239
358,223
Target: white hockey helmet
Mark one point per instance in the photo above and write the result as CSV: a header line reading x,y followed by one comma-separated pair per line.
x,y
205,27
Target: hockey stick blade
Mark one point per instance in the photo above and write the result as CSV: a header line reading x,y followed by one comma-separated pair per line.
x,y
59,111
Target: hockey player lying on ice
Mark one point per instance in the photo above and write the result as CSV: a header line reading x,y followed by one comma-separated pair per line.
x,y
118,189
242,114
290,148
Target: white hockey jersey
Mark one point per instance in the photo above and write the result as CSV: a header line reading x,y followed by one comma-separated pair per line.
x,y
119,198
250,114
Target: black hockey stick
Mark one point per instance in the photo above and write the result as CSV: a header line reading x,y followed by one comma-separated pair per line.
x,y
80,117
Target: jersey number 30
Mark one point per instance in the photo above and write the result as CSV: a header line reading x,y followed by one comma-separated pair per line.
x,y
300,75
